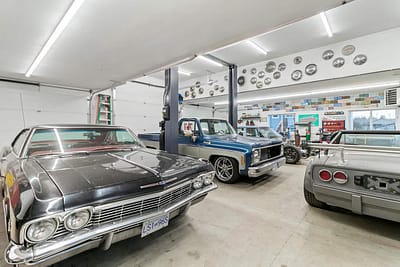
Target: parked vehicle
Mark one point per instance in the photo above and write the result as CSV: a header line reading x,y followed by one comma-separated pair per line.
x,y
231,154
358,171
292,154
70,188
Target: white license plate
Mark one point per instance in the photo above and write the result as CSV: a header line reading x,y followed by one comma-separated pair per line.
x,y
155,224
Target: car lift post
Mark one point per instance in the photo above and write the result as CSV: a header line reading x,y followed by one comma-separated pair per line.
x,y
169,125
233,111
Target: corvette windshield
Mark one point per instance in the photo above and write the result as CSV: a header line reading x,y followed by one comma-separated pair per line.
x,y
69,140
369,139
216,127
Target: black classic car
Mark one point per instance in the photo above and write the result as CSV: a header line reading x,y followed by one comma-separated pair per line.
x,y
70,188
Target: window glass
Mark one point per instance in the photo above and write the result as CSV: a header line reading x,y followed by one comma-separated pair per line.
x,y
204,127
268,133
281,122
59,140
19,142
218,127
389,140
384,119
360,120
251,132
188,128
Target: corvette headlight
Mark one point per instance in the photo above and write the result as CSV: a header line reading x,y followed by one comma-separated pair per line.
x,y
41,230
256,156
208,178
197,183
77,219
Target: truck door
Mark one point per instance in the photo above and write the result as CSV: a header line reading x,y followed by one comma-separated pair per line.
x,y
189,137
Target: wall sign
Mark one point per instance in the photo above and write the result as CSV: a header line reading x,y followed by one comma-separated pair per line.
x,y
313,118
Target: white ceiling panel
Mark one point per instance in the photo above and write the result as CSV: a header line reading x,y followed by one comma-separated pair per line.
x,y
114,41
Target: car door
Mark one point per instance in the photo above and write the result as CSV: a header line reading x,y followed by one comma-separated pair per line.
x,y
189,137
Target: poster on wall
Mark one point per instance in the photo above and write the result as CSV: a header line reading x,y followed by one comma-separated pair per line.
x,y
305,118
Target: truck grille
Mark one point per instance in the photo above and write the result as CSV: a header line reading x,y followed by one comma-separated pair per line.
x,y
270,152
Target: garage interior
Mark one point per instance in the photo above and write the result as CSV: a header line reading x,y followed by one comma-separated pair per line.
x,y
301,69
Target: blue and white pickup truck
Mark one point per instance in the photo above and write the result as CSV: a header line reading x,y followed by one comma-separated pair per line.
x,y
232,155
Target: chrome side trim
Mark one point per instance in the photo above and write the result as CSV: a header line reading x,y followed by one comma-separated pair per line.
x,y
19,254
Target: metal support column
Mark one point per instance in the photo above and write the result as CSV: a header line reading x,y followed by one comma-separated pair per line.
x,y
233,112
170,110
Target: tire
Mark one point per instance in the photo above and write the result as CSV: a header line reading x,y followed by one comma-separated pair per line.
x,y
226,169
292,154
312,201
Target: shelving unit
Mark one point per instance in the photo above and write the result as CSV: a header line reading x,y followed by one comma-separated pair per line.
x,y
104,109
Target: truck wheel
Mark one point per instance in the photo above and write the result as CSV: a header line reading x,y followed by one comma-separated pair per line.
x,y
226,170
292,154
312,201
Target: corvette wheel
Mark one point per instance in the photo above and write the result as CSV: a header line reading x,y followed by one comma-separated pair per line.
x,y
312,201
226,170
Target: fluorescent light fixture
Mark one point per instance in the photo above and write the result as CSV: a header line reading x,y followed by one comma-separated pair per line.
x,y
257,47
54,36
334,90
326,23
184,72
210,61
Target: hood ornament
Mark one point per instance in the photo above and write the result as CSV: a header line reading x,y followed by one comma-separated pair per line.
x,y
162,182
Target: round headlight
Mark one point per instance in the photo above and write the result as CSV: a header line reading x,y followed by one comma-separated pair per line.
x,y
256,156
197,183
77,220
208,178
41,230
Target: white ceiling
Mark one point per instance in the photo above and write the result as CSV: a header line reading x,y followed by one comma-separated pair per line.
x,y
349,21
115,41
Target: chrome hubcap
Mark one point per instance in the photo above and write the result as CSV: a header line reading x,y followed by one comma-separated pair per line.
x,y
224,169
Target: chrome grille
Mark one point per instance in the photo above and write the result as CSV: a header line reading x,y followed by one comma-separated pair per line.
x,y
270,152
137,208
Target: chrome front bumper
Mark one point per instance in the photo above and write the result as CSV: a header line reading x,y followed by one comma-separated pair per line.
x,y
86,239
265,167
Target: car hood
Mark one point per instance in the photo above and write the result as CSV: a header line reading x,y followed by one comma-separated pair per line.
x,y
102,177
242,141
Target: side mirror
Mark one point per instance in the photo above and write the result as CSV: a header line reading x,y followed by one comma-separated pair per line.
x,y
3,159
194,138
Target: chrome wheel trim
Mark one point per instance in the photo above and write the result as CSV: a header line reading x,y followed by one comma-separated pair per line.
x,y
7,225
224,169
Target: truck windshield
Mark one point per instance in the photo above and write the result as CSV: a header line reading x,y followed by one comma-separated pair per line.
x,y
69,140
216,127
267,132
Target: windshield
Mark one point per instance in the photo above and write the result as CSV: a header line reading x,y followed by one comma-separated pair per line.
x,y
370,139
216,127
67,140
268,133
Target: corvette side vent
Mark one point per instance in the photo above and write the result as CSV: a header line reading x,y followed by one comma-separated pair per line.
x,y
392,97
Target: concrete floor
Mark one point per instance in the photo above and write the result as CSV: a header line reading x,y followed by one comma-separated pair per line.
x,y
263,224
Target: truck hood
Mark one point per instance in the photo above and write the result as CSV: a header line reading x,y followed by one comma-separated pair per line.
x,y
238,141
103,177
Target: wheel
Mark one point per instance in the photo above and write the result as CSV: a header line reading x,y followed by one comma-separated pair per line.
x,y
312,201
292,154
226,170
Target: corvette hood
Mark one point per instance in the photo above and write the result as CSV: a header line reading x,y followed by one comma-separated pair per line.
x,y
101,177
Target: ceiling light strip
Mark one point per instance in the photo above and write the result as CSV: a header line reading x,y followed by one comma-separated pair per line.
x,y
210,61
186,73
257,47
335,90
54,36
326,23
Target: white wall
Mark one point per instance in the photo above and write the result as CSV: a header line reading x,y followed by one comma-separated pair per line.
x,y
139,106
27,105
